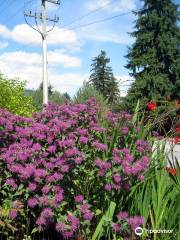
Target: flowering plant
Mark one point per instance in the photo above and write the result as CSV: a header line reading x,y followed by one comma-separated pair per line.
x,y
152,106
65,167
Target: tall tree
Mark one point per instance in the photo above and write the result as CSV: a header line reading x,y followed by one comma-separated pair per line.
x,y
102,78
154,58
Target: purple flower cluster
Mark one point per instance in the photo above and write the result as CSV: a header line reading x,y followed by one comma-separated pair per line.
x,y
123,218
103,166
86,212
69,228
131,165
58,153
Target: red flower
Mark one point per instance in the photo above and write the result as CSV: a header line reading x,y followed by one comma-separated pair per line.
x,y
177,139
178,130
151,106
171,170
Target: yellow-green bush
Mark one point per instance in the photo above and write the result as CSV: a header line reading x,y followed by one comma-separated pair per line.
x,y
12,97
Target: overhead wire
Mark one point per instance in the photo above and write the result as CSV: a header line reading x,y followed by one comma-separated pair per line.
x,y
78,19
101,20
87,24
89,13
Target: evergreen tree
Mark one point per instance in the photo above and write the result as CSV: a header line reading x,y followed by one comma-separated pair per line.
x,y
50,88
154,58
102,78
67,96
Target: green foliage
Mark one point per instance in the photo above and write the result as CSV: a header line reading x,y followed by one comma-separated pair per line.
x,y
156,199
104,223
102,78
54,96
12,97
86,92
153,59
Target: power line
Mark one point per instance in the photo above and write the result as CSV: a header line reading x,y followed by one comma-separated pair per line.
x,y
89,13
101,20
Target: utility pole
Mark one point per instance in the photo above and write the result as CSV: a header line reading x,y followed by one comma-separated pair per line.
x,y
44,46
43,32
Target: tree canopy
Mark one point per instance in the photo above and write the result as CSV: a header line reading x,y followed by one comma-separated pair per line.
x,y
154,58
102,78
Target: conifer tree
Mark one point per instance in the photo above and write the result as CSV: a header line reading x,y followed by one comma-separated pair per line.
x,y
102,78
154,58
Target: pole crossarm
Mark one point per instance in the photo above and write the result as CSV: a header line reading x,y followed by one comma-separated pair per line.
x,y
30,14
53,1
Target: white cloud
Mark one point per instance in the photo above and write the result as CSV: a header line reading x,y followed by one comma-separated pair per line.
x,y
4,31
3,45
24,34
56,57
27,66
116,6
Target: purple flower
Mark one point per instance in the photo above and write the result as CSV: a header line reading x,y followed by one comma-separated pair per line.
x,y
11,183
74,222
40,173
68,234
51,149
32,186
47,213
135,222
60,227
99,129
117,178
155,133
83,132
65,168
78,160
79,198
56,188
41,222
141,178
108,187
116,227
83,139
44,201
12,214
45,189
32,202
99,146
36,147
125,130
88,215
122,215
126,186
84,207
59,197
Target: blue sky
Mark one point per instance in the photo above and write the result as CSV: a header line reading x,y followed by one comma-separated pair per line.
x,y
70,48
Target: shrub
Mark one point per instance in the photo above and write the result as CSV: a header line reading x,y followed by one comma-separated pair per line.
x,y
12,97
66,169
